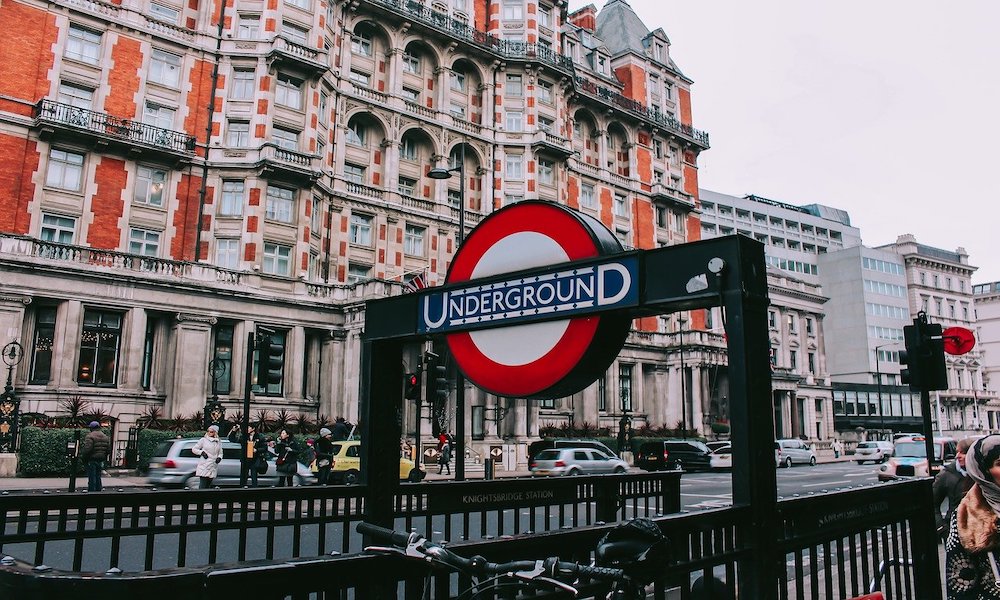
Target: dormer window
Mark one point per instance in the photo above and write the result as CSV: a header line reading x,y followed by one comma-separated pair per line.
x,y
602,65
658,51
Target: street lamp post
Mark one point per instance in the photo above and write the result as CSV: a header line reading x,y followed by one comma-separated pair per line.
x,y
684,420
445,173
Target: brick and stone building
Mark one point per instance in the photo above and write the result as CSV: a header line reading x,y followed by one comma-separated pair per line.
x,y
178,175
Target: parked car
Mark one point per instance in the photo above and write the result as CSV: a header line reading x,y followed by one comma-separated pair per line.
x,y
722,457
575,461
346,466
910,457
535,447
173,465
794,451
689,455
873,451
713,446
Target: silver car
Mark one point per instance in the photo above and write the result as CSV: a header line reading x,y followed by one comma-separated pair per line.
x,y
876,452
575,461
173,465
790,452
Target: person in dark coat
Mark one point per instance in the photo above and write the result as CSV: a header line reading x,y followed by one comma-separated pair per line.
x,y
256,452
287,463
951,484
445,461
341,430
324,456
94,451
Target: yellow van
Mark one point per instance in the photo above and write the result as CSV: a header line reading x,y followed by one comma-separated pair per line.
x,y
346,466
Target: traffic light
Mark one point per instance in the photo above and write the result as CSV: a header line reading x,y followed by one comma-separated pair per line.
x,y
909,359
270,360
441,383
411,386
935,373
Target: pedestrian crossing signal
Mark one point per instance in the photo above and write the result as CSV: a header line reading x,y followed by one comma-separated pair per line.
x,y
411,386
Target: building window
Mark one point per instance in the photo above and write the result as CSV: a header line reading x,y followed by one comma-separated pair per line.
x,y
60,230
294,33
83,45
286,139
413,240
158,116
239,134
76,96
361,230
277,259
357,273
356,133
243,84
408,149
457,109
65,170
288,92
661,217
143,242
411,94
277,340
793,359
545,124
248,27
811,358
227,253
411,63
515,121
620,207
545,92
280,204
233,194
223,356
148,346
354,173
588,199
303,4
545,172
513,9
99,348
458,81
362,79
324,110
41,351
792,324
165,68
454,198
810,327
406,185
315,215
545,17
361,43
625,387
772,319
515,87
515,166
164,13
509,199
149,185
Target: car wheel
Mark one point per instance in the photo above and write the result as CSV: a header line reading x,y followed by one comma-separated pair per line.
x,y
812,461
572,472
351,477
619,470
415,476
788,462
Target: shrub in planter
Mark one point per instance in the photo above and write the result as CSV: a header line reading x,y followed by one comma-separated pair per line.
x,y
720,428
43,452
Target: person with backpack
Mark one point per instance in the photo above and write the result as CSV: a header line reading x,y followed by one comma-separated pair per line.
x,y
93,452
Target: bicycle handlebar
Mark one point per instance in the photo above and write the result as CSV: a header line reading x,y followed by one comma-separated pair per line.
x,y
414,545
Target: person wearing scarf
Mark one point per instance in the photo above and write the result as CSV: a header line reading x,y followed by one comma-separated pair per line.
x,y
972,567
952,483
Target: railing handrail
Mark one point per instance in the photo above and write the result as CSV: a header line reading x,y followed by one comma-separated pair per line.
x,y
117,127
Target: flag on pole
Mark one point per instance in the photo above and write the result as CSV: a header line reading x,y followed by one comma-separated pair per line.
x,y
416,282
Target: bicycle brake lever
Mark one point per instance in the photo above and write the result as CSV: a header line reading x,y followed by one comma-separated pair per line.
x,y
384,550
559,584
536,575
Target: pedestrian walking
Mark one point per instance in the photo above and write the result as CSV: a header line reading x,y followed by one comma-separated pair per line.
x,y
951,484
445,461
209,448
287,463
973,544
94,451
341,429
324,456
837,448
255,456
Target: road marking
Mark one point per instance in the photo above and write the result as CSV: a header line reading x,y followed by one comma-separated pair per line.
x,y
824,484
708,495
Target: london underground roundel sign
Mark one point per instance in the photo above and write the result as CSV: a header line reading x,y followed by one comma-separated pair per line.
x,y
546,359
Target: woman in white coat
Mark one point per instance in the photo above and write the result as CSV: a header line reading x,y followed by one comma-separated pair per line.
x,y
209,448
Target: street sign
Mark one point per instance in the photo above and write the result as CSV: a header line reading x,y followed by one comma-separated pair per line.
x,y
496,452
577,270
958,340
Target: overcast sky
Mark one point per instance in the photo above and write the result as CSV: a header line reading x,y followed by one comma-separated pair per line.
x,y
887,109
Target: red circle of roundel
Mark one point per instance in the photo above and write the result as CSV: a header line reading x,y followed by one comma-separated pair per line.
x,y
578,241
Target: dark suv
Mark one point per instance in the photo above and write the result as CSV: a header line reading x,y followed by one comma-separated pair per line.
x,y
689,455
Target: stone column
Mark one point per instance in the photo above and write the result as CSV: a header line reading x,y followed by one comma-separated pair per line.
x,y
66,345
295,345
132,348
193,336
331,378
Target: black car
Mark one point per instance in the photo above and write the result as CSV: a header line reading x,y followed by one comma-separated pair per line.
x,y
689,455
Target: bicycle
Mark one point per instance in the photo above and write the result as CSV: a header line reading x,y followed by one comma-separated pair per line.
x,y
635,555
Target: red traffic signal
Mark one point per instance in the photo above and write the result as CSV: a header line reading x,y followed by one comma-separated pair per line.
x,y
411,386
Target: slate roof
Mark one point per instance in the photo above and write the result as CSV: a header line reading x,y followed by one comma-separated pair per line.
x,y
622,30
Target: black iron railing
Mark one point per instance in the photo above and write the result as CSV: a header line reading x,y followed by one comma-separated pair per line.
x,y
107,125
828,546
140,531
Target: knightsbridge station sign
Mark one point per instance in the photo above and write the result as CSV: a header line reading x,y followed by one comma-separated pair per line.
x,y
535,301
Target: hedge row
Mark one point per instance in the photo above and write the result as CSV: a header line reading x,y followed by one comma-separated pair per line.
x,y
43,452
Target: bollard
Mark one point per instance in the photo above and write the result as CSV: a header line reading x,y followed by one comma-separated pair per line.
x,y
488,468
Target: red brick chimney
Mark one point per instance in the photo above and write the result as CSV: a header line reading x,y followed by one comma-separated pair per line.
x,y
586,18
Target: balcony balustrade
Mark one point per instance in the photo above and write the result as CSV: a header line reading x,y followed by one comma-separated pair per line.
x,y
469,126
546,140
311,60
420,110
289,164
370,94
610,97
364,190
102,126
663,192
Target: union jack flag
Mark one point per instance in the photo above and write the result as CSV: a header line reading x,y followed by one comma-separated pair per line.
x,y
416,282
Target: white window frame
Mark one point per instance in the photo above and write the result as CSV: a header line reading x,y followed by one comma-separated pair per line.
x,y
65,170
620,205
150,185
285,138
164,68
544,90
588,196
279,204
83,45
303,4
238,134
413,240
158,115
232,198
412,63
546,172
457,81
276,259
57,228
409,149
288,91
360,229
513,10
514,166
162,12
356,273
406,185
361,43
143,242
248,27
227,253
76,95
244,82
295,33
361,78
514,86
514,121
